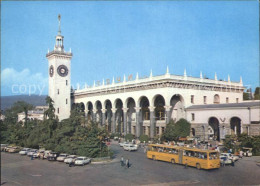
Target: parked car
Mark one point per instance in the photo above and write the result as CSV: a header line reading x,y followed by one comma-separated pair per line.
x,y
123,143
70,159
53,156
3,146
247,151
24,151
130,147
82,160
14,149
62,157
45,154
6,149
31,152
224,160
230,156
38,154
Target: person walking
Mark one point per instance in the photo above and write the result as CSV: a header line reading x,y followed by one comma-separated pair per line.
x,y
122,161
127,164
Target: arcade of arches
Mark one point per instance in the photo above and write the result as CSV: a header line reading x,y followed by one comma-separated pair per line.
x,y
142,116
213,130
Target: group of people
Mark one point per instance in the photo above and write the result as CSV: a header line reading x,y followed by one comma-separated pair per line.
x,y
125,163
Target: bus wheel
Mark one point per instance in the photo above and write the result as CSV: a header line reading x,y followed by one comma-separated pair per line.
x,y
154,158
198,166
173,161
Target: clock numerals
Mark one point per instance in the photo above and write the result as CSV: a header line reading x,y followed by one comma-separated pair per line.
x,y
62,70
51,71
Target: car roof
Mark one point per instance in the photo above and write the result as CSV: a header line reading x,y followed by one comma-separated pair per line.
x,y
82,157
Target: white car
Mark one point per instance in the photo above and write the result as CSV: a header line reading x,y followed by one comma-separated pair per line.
x,y
62,157
130,147
123,143
70,159
31,152
230,156
82,160
24,151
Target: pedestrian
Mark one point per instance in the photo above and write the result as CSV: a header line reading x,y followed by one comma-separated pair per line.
x,y
32,157
144,149
122,161
232,163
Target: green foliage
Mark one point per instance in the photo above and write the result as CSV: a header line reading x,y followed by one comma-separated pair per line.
x,y
257,93
176,130
143,138
243,140
129,137
246,96
67,136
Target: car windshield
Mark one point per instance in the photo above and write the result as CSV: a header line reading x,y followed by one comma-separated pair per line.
x,y
80,158
25,149
63,155
71,156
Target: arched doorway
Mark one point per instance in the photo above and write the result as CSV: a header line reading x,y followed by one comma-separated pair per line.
x,y
90,111
119,116
177,107
130,114
98,112
214,126
144,115
235,125
108,115
159,105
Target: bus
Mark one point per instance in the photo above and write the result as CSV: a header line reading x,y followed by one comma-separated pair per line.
x,y
201,159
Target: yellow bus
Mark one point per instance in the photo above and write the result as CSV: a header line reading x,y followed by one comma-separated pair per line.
x,y
201,159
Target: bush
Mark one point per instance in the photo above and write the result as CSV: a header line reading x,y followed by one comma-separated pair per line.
x,y
129,137
144,138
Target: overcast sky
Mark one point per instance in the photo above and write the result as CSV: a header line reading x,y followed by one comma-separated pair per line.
x,y
110,39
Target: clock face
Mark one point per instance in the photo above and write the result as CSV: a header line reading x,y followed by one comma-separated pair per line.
x,y
51,70
62,70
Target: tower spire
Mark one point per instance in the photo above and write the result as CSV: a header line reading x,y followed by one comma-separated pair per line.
x,y
59,17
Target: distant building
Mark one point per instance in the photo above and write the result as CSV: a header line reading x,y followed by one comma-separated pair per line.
x,y
36,114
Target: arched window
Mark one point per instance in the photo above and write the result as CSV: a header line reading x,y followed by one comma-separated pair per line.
x,y
216,99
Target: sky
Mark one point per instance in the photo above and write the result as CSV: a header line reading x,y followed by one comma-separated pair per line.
x,y
112,38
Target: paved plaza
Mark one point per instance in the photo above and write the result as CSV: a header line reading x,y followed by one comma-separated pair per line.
x,y
20,170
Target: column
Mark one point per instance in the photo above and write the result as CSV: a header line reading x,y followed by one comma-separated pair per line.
x,y
220,128
125,120
168,113
138,129
94,115
103,117
152,122
113,127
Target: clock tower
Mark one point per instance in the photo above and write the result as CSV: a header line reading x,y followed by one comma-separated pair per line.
x,y
59,77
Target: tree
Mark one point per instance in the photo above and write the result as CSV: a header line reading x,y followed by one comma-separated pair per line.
x,y
257,93
50,112
176,130
169,134
144,138
246,96
129,137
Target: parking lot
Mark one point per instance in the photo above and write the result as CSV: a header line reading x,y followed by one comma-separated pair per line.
x,y
20,170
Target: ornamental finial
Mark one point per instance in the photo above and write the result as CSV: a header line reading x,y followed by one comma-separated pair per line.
x,y
59,17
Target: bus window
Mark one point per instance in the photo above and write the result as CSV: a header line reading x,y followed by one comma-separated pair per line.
x,y
213,155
